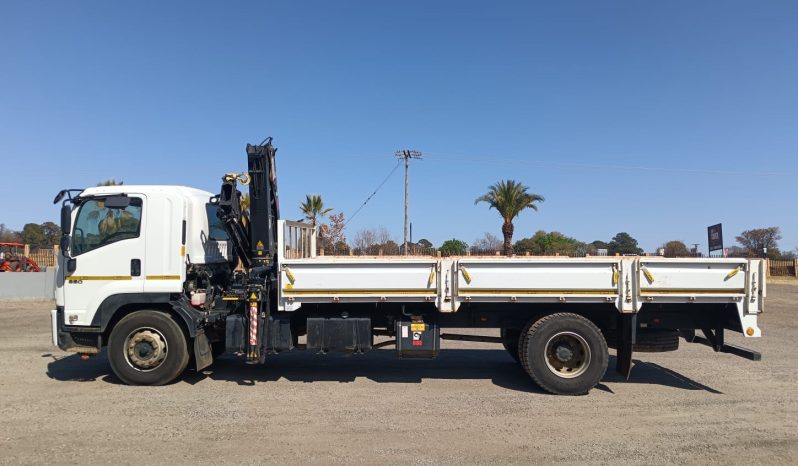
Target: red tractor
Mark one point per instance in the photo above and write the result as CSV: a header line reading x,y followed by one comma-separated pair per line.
x,y
12,259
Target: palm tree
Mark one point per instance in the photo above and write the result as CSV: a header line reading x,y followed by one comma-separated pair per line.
x,y
244,201
509,197
313,207
111,182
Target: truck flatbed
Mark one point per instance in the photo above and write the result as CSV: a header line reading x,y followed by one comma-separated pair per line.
x,y
625,282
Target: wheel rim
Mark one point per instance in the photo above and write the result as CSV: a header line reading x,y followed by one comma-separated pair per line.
x,y
567,355
145,349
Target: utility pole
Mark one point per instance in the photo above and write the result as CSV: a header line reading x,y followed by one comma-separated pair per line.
x,y
406,155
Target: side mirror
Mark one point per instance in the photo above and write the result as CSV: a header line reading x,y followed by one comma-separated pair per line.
x,y
72,265
66,219
64,245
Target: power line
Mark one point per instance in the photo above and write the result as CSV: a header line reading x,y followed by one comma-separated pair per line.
x,y
375,192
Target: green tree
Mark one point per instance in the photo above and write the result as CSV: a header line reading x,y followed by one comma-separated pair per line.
x,y
756,240
453,247
509,197
424,243
423,246
552,243
52,234
390,248
33,235
313,208
598,244
676,248
110,182
623,243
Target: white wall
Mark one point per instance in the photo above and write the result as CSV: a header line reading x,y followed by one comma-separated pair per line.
x,y
28,285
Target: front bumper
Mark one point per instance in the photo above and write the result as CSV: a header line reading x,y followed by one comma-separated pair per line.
x,y
54,325
76,340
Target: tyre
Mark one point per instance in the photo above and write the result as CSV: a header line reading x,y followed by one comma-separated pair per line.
x,y
565,354
650,340
148,348
510,341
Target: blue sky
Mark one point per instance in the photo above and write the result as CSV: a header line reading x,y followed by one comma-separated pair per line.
x,y
656,118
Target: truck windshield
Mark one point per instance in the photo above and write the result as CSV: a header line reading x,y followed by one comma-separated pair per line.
x,y
97,225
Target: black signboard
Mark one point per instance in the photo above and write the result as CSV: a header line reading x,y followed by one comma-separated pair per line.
x,y
715,236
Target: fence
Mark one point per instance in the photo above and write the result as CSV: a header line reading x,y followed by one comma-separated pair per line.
x,y
44,257
783,267
392,249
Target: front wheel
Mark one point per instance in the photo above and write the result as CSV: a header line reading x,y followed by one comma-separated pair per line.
x,y
565,354
148,348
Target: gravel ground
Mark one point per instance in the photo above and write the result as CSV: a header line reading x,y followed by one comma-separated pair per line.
x,y
471,405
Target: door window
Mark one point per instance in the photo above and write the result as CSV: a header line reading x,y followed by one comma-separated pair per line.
x,y
216,229
97,225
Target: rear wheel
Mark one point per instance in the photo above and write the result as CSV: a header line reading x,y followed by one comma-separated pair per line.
x,y
148,348
564,353
509,338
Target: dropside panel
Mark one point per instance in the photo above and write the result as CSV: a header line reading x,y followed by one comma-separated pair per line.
x,y
538,280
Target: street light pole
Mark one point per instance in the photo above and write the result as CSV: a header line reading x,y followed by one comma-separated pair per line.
x,y
407,155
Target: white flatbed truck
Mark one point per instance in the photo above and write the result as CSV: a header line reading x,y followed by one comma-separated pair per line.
x,y
150,273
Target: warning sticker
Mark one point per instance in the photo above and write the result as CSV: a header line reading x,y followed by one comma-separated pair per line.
x,y
404,331
418,327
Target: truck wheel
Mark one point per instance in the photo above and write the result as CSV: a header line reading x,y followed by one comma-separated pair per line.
x,y
565,354
510,342
147,348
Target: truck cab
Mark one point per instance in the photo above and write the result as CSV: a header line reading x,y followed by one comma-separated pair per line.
x,y
130,246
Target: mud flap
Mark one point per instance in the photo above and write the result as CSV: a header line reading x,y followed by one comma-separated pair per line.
x,y
235,334
627,330
202,351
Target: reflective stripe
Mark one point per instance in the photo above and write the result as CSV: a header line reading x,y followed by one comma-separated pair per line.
x,y
163,277
523,291
647,291
430,292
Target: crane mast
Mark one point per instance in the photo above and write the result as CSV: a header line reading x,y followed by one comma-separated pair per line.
x,y
254,237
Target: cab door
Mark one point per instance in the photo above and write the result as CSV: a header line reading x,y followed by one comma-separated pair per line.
x,y
108,248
